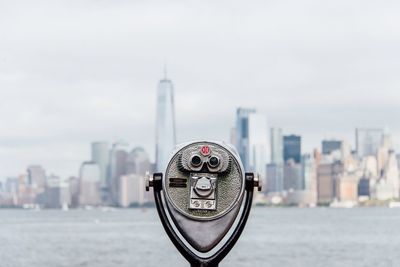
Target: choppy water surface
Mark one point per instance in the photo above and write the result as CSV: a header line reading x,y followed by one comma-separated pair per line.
x,y
273,237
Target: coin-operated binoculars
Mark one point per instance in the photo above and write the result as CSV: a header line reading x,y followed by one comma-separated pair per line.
x,y
203,199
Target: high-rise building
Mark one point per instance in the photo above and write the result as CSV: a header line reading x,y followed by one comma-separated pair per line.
x,y
138,162
117,167
363,188
327,175
74,188
347,187
293,179
391,175
275,168
101,156
328,146
89,186
131,191
274,178
368,141
252,140
309,173
57,193
276,145
36,177
292,148
242,134
165,124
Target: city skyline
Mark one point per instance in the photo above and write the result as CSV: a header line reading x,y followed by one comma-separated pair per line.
x,y
66,173
313,70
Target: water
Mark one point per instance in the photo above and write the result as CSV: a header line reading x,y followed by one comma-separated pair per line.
x,y
273,237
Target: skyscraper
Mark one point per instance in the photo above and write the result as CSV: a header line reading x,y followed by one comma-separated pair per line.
x,y
242,134
57,193
36,177
368,141
292,179
251,140
89,187
275,168
328,146
276,145
292,148
131,191
138,162
101,155
165,123
117,167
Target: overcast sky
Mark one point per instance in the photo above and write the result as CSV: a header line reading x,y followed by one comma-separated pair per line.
x,y
73,72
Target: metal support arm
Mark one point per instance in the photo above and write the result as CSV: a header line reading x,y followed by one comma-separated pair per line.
x,y
191,257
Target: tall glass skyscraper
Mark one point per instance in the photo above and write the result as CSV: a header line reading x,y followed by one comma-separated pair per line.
x,y
292,148
100,155
117,167
368,141
251,140
275,168
276,138
165,124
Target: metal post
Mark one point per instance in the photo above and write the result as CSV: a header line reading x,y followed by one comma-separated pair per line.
x,y
193,259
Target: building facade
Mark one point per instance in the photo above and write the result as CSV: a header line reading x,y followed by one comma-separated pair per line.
x,y
292,148
252,140
165,123
101,156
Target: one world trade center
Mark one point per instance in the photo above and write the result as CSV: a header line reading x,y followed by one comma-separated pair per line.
x,y
165,123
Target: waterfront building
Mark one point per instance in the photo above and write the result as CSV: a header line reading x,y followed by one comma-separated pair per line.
x,y
363,188
74,188
242,135
252,140
89,184
101,155
57,193
118,165
26,194
391,177
165,123
138,162
302,198
292,148
347,187
368,141
276,142
293,178
369,165
327,173
36,177
275,168
274,177
131,191
328,146
309,173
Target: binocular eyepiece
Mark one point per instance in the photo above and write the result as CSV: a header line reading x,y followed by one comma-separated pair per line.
x,y
206,196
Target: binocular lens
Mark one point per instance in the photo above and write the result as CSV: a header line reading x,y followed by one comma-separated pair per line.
x,y
214,162
196,160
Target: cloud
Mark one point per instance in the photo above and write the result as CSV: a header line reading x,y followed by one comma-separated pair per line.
x,y
73,72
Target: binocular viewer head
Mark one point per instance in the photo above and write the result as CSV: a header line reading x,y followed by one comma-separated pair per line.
x,y
206,195
203,181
